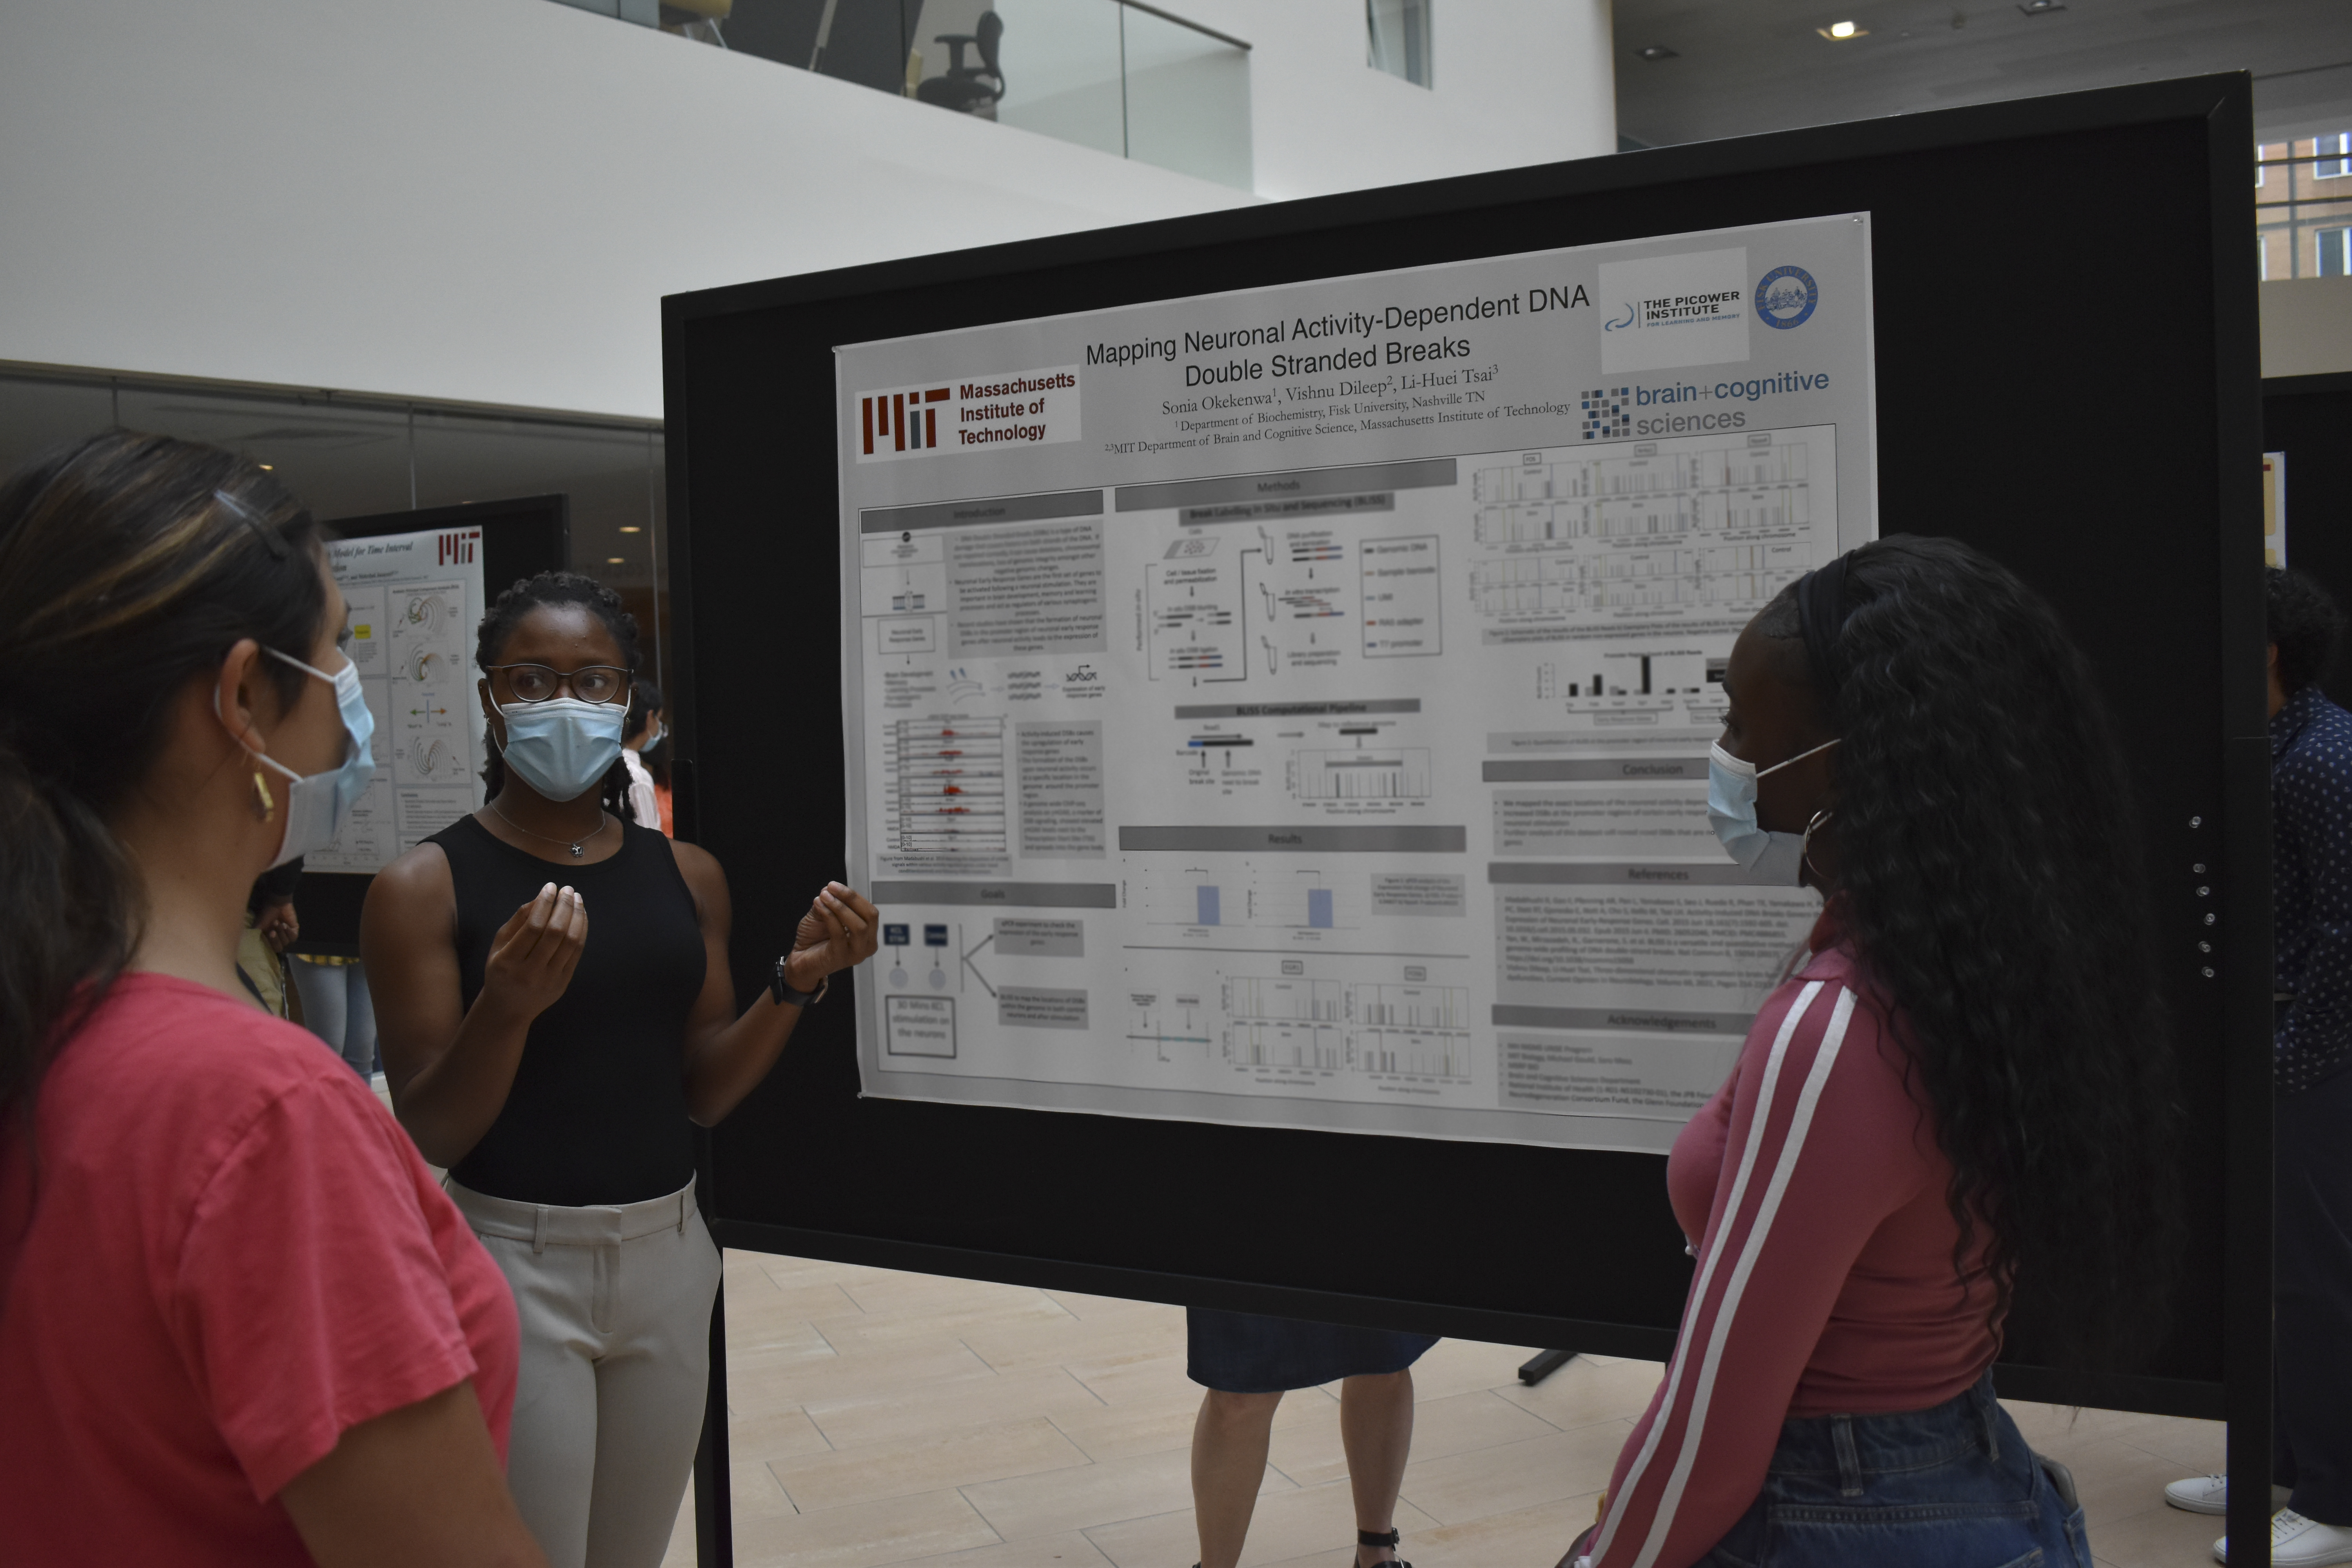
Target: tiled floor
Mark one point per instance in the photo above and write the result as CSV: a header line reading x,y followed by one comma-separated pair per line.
x,y
881,1419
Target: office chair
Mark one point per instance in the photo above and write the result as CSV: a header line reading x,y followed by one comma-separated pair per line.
x,y
966,89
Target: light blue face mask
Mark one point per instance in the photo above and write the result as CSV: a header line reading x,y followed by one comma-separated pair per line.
x,y
317,805
563,746
1773,859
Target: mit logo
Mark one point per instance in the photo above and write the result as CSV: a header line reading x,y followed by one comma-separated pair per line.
x,y
901,419
457,548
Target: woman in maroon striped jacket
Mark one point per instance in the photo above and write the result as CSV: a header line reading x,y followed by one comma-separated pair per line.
x,y
1960,1093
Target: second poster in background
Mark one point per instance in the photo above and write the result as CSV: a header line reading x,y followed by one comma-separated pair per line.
x,y
413,601
1292,705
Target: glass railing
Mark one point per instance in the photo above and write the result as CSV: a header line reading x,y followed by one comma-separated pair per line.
x,y
2302,208
1115,75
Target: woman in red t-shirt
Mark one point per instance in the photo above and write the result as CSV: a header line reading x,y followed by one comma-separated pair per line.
x,y
240,1323
1965,1087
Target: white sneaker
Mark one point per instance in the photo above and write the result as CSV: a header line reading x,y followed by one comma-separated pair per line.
x,y
2211,1494
2299,1542
2200,1494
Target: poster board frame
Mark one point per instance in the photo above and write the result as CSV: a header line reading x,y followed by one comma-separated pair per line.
x,y
2204,122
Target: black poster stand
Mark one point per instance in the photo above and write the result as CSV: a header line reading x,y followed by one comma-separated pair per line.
x,y
2085,410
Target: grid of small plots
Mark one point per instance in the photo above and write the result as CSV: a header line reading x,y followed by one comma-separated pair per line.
x,y
1605,418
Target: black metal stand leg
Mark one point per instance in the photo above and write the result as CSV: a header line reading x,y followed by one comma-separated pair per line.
x,y
1543,1364
2249,1386
714,1503
2249,1390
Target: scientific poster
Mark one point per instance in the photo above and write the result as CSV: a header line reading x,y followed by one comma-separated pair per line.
x,y
415,600
1291,706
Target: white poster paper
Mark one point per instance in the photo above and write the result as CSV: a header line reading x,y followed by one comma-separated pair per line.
x,y
415,600
1291,706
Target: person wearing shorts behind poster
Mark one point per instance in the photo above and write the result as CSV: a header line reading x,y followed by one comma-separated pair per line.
x,y
2311,871
1248,1363
556,1015
1964,1083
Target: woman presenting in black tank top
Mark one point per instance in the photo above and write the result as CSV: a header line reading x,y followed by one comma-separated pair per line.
x,y
554,1066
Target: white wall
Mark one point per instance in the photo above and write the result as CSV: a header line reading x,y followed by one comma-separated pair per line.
x,y
2308,326
481,200
1515,82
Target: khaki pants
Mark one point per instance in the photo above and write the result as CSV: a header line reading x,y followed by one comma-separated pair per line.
x,y
616,1308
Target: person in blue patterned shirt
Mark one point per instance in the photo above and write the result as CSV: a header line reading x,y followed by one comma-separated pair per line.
x,y
2311,871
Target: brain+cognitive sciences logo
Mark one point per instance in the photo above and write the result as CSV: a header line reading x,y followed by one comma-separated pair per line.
x,y
1785,297
1605,416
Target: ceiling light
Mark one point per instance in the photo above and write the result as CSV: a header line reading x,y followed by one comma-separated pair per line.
x,y
268,467
613,560
1842,31
2041,7
1655,52
631,528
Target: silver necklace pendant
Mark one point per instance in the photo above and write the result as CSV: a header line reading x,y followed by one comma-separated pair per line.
x,y
577,853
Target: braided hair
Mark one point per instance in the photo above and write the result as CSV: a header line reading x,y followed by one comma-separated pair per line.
x,y
507,612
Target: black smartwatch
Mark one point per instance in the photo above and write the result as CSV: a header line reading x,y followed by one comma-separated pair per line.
x,y
781,988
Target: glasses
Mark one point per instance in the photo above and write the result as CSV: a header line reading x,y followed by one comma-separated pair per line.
x,y
537,683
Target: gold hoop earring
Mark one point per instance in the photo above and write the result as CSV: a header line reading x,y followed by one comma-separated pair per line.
x,y
264,807
1805,846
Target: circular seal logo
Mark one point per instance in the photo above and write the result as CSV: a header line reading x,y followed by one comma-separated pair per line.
x,y
1785,297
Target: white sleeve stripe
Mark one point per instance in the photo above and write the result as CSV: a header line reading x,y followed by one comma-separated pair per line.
x,y
1728,1311
1707,1266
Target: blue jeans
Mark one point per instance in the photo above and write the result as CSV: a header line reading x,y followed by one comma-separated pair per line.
x,y
1952,1487
336,1008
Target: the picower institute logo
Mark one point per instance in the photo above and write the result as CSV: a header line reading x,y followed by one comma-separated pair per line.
x,y
1034,408
1785,297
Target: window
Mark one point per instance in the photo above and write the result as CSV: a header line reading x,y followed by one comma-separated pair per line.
x,y
2336,253
1397,38
2335,155
2263,257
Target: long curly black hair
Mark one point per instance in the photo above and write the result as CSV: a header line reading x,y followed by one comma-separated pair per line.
x,y
507,611
1990,870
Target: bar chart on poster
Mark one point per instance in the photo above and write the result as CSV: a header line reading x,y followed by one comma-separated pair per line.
x,y
1292,707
